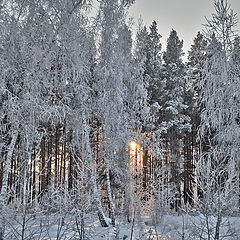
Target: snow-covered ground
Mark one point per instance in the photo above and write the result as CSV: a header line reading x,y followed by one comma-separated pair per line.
x,y
169,227
59,226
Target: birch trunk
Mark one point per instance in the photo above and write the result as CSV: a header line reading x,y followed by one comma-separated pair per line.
x,y
101,215
7,167
110,199
97,198
6,170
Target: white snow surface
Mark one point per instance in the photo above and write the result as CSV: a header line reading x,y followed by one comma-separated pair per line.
x,y
169,227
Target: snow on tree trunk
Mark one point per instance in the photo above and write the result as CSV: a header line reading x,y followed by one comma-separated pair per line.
x,y
217,175
7,167
102,218
6,170
110,198
88,151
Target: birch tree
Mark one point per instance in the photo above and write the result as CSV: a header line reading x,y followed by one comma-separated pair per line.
x,y
217,187
222,24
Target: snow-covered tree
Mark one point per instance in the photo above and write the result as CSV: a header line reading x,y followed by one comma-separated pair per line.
x,y
196,59
153,63
217,133
222,24
46,58
219,99
138,94
173,118
112,85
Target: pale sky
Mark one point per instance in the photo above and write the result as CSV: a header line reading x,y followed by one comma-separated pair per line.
x,y
185,16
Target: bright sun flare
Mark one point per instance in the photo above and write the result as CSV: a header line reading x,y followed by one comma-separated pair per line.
x,y
133,146
136,154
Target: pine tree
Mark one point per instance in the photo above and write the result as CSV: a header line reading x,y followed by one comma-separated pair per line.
x,y
153,63
139,83
152,73
196,60
196,55
173,119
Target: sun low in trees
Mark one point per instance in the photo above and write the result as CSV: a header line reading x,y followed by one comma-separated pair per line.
x,y
120,102
73,93
53,88
166,85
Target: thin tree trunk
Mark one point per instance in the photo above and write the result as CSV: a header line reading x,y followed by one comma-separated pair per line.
x,y
26,180
97,198
217,229
70,165
18,170
64,163
7,166
110,199
34,175
61,165
42,172
56,158
49,176
70,171
219,219
30,187
5,178
101,215
10,177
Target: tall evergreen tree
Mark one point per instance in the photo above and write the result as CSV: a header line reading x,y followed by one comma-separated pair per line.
x,y
153,62
196,60
140,80
173,119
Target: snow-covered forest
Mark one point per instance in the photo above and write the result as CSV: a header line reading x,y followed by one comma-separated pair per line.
x,y
103,135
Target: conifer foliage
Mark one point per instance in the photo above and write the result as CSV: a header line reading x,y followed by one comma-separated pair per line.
x,y
94,121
